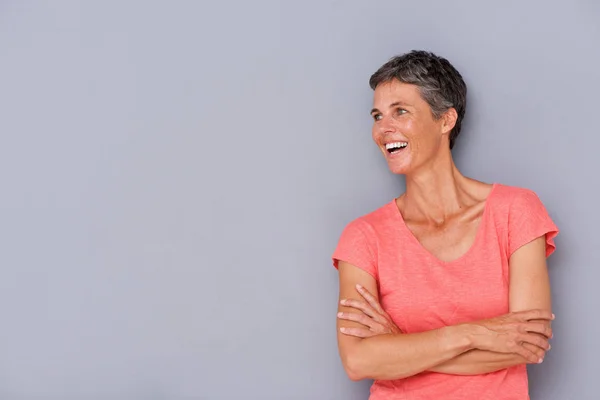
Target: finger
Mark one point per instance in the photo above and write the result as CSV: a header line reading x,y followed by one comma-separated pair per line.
x,y
358,332
535,314
539,327
373,302
360,318
383,318
536,340
529,355
360,305
540,353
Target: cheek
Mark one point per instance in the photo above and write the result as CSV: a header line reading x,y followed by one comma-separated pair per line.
x,y
420,135
376,134
411,129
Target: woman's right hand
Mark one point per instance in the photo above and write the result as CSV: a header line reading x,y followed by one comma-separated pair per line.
x,y
510,333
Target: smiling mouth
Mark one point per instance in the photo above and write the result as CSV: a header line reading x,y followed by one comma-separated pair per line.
x,y
395,147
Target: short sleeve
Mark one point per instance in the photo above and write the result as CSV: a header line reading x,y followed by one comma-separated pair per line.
x,y
528,220
357,246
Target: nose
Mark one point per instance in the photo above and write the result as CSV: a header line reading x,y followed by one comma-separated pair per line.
x,y
385,125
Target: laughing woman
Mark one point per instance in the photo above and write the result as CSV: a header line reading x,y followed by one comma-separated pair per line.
x,y
444,292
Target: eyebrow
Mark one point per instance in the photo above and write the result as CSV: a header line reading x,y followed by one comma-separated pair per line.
x,y
394,104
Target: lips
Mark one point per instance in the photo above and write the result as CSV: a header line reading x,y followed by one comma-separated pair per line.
x,y
395,147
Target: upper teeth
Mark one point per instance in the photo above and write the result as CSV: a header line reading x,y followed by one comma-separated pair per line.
x,y
396,145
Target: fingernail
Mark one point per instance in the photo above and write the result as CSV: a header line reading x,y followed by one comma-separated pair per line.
x,y
343,301
358,286
340,314
342,329
553,316
541,360
549,346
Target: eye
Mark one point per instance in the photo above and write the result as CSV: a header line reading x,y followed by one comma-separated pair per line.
x,y
401,111
376,117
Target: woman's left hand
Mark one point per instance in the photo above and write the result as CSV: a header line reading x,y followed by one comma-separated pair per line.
x,y
373,317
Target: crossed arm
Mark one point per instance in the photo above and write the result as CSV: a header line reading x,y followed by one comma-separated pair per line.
x,y
468,349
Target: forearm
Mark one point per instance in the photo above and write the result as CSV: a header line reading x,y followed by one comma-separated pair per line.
x,y
390,357
475,362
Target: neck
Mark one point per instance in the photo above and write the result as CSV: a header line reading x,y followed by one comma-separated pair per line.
x,y
436,191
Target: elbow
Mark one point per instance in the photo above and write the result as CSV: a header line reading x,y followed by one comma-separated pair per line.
x,y
353,366
354,374
359,367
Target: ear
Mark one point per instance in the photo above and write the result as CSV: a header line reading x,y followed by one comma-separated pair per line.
x,y
449,120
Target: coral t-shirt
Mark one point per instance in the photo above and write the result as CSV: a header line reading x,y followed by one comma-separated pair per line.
x,y
421,292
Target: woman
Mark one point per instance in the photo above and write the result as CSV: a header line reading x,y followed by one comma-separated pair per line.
x,y
444,292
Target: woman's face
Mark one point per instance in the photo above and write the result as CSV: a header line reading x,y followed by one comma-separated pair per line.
x,y
404,128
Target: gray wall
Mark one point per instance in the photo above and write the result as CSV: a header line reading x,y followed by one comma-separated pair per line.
x,y
175,176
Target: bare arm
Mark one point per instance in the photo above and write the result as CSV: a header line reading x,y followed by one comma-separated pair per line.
x,y
392,356
529,289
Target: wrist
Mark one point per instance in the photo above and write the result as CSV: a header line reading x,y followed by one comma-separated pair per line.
x,y
474,334
460,337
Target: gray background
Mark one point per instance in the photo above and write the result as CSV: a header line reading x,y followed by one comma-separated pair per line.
x,y
176,174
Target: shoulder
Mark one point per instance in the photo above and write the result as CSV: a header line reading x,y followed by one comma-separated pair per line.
x,y
511,199
511,193
520,206
524,217
513,205
359,241
374,221
371,227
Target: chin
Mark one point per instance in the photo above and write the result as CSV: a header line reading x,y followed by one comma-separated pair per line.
x,y
400,163
401,166
399,169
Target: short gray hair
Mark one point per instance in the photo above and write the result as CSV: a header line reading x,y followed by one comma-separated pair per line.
x,y
440,84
